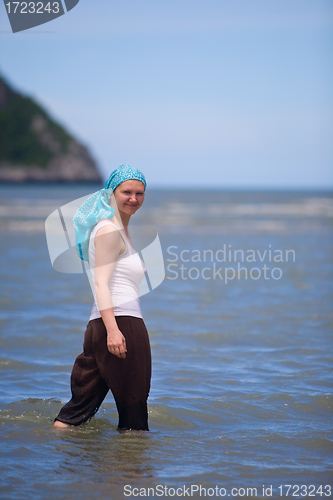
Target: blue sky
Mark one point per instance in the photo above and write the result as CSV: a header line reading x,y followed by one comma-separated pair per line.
x,y
214,93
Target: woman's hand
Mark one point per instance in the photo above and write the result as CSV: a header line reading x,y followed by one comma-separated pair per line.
x,y
116,343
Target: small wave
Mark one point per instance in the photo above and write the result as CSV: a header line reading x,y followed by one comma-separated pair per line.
x,y
28,412
310,207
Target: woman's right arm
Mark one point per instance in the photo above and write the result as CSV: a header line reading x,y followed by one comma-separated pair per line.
x,y
108,244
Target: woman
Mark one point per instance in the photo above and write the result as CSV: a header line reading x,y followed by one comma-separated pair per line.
x,y
116,351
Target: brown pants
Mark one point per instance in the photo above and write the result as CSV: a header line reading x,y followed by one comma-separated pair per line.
x,y
96,370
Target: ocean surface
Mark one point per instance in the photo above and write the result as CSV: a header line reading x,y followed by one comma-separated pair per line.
x,y
241,396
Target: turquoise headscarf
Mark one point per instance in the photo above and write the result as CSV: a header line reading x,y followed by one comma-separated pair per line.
x,y
97,208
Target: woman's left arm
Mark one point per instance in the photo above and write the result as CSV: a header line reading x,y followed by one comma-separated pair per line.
x,y
108,244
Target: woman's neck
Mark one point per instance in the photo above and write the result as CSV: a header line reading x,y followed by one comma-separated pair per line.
x,y
123,221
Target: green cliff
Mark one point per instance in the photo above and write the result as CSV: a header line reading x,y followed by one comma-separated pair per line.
x,y
33,147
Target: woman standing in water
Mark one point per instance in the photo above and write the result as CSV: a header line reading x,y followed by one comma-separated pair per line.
x,y
116,351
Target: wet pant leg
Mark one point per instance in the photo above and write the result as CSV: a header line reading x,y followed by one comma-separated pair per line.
x,y
128,378
88,387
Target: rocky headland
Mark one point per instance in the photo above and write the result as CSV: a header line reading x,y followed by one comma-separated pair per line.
x,y
34,148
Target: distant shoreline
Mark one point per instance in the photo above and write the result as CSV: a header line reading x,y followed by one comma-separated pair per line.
x,y
187,189
48,183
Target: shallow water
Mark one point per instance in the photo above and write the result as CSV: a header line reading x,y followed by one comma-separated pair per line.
x,y
241,391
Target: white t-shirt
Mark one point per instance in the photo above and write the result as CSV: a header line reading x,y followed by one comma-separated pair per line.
x,y
125,281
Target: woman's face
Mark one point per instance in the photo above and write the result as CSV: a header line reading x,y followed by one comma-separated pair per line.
x,y
129,196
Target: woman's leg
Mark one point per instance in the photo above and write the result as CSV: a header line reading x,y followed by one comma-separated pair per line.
x,y
88,387
129,378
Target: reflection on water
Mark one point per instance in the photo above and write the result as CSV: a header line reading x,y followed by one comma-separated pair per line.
x,y
108,453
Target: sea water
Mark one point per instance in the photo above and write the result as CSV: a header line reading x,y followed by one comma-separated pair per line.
x,y
241,393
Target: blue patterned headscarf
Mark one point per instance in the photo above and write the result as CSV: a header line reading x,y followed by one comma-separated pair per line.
x,y
97,208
